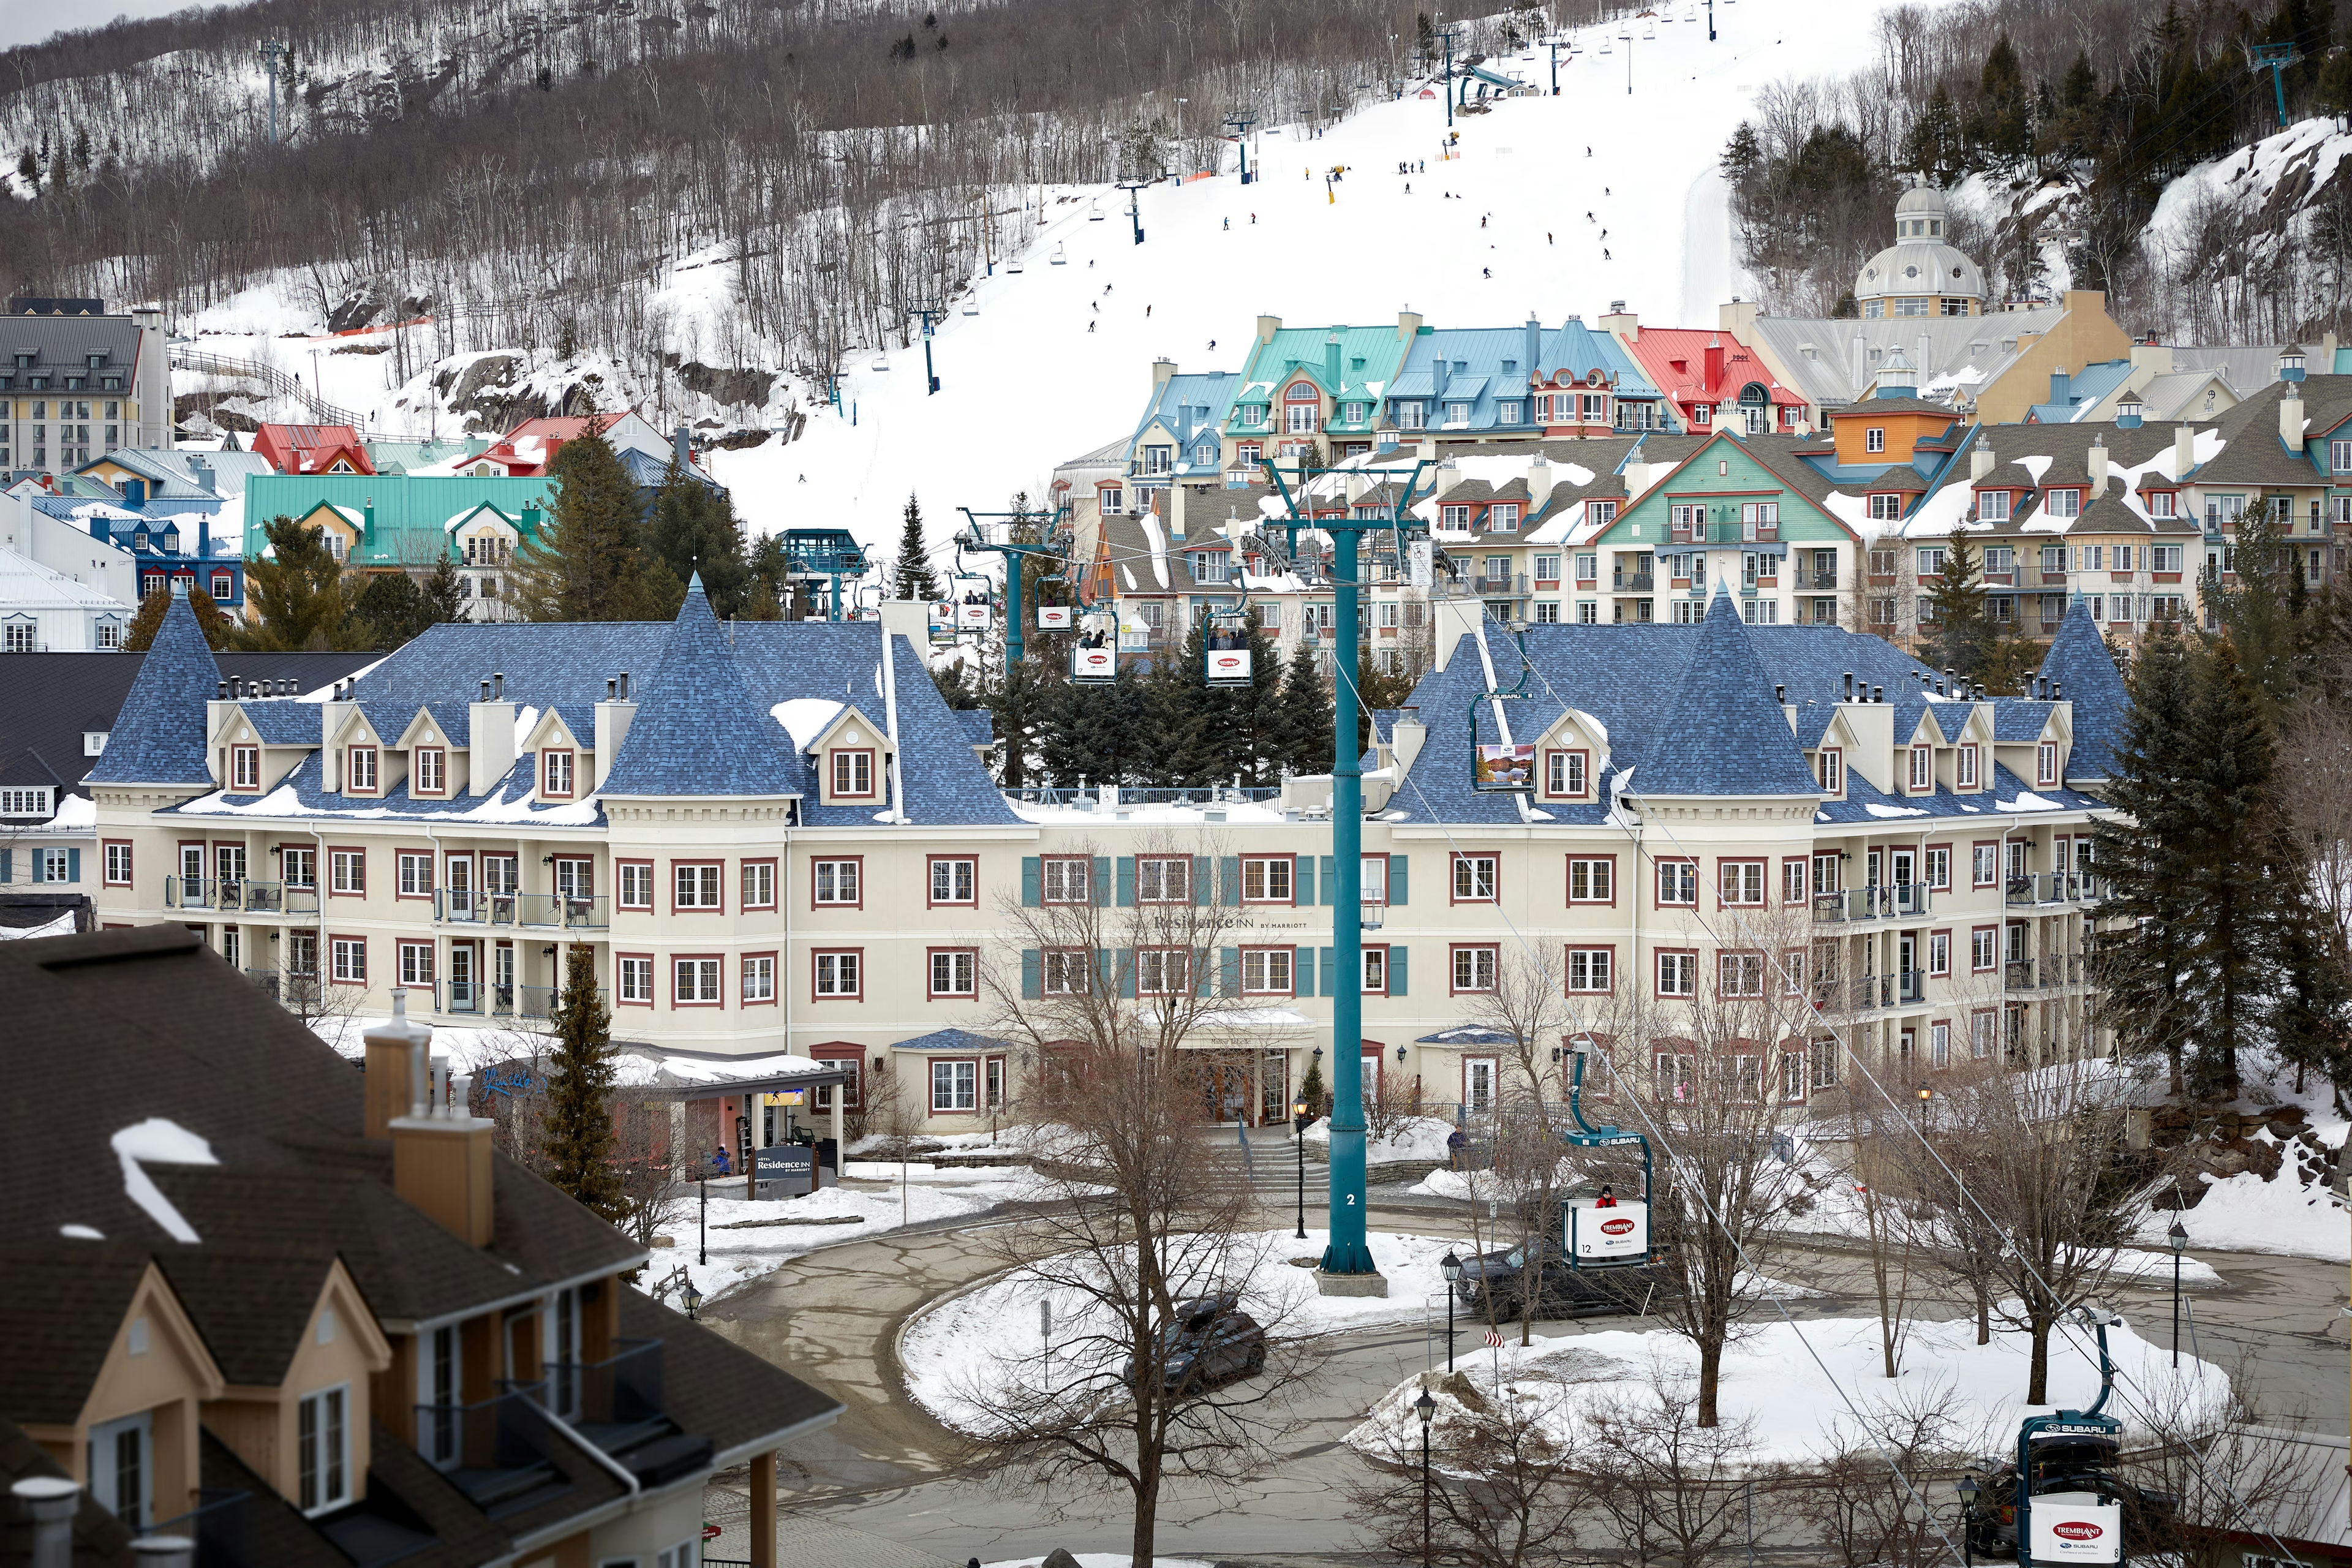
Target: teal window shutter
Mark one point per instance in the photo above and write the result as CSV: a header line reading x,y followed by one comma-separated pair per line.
x,y
1200,869
1032,894
1330,973
1302,885
1033,979
1397,886
8,866
1105,975
1126,971
1127,881
1302,979
1229,971
1101,888
1396,971
73,865
1199,972
1229,879
1330,878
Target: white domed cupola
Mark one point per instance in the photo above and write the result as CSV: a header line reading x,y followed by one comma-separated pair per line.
x,y
1922,273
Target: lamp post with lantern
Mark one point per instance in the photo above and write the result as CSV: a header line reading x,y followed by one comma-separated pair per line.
x,y
1967,1489
1425,1407
2178,1236
1450,1267
1301,1119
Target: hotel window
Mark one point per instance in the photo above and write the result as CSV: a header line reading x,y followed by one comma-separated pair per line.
x,y
636,879
1474,878
835,881
1923,768
695,982
759,884
1590,969
1678,882
1884,508
322,1447
244,767
1739,975
953,973
1163,879
348,868
1829,766
415,874
416,963
1265,971
759,977
1068,879
429,768
556,774
1564,772
837,973
696,886
2063,504
2046,762
1474,968
853,773
1677,974
359,778
1992,506
1741,882
1265,880
1162,971
637,979
347,954
1874,439
955,1086
954,882
2160,503
1592,881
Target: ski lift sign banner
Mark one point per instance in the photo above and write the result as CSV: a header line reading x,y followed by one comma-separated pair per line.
x,y
972,614
1229,664
1422,562
1053,618
1616,1235
2077,1531
1506,767
1093,661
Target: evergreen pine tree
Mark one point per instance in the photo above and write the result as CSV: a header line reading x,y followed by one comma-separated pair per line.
x,y
578,1143
2007,125
1306,713
694,528
140,636
587,563
2230,962
1960,635
393,608
1934,147
2262,612
297,596
443,593
2142,855
911,575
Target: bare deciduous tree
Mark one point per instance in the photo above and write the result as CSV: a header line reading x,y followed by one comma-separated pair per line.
x,y
1509,1483
1673,1484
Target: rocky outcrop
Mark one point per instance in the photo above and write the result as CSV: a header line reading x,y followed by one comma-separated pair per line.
x,y
731,387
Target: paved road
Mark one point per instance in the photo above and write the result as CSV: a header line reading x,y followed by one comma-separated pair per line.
x,y
833,1317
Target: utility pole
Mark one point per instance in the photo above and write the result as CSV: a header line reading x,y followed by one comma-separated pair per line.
x,y
925,312
1013,550
1241,120
270,50
1348,1253
1710,21
2275,58
1448,37
1134,204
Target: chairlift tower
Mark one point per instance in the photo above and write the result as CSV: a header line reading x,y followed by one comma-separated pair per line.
x,y
1348,1253
272,51
1241,119
1054,546
2275,58
1134,204
927,313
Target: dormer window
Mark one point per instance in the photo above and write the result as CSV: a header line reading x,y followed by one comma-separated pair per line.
x,y
853,772
1992,506
359,770
1302,408
2046,762
555,774
244,768
1830,768
2065,503
1966,770
1923,769
428,771
138,539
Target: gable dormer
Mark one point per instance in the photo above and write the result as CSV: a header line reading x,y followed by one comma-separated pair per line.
x,y
1831,754
851,754
1570,759
307,1435
436,763
562,768
484,537
143,1404
250,749
358,761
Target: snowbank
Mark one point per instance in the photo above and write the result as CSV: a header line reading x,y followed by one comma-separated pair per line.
x,y
1770,1379
1416,1139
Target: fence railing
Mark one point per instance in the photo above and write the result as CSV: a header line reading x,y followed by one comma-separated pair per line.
x,y
507,1001
278,382
1887,900
240,895
2054,888
460,906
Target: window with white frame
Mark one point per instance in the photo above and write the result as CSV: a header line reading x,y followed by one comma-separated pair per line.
x,y
1992,506
1591,969
2046,762
955,1086
955,971
838,974
695,887
1739,975
1923,768
1939,868
835,881
1474,878
636,879
416,963
758,977
1592,881
1792,880
555,773
348,870
1741,881
955,880
1479,1076
1267,971
322,1449
359,773
346,960
1678,975
1830,767
694,981
1068,879
415,874
1376,970
1163,878
636,982
1474,968
2063,504
1983,949
1939,952
1063,972
1265,879
759,884
1162,971
1678,882
853,772
428,771
1564,772
244,767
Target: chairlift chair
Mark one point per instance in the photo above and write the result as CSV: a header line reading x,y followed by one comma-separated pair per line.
x,y
1604,44
971,307
1094,656
974,611
882,361
1603,1232
1058,258
1229,655
1502,768
1094,211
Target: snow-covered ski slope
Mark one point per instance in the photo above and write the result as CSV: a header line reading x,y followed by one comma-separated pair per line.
x,y
1025,384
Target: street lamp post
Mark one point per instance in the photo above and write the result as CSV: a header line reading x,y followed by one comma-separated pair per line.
x,y
1299,1122
1967,1489
693,1300
1925,1094
2178,1236
1424,1407
702,1221
1450,1267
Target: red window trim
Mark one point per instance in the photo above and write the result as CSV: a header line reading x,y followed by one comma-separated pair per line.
x,y
374,752
1191,880
721,907
1995,965
1993,845
1968,751
817,953
130,861
857,903
775,980
1661,860
327,958
718,958
775,870
234,754
1454,859
931,952
1926,851
1806,861
1764,962
1453,947
651,969
327,871
1764,865
1568,871
440,752
618,883
1658,953
587,860
401,945
571,771
972,902
841,1052
1910,768
1608,947
1290,902
1282,947
2050,780
1584,751
400,854
1383,949
832,773
1945,973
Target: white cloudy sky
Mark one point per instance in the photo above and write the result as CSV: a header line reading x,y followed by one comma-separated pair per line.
x,y
30,21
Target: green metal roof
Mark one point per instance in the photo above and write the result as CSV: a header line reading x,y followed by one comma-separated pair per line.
x,y
409,511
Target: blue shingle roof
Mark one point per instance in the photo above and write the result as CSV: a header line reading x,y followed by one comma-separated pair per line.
x,y
1860,796
698,731
2079,661
949,1040
159,736
282,723
1723,734
507,801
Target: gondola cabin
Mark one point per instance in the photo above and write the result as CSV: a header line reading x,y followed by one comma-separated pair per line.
x,y
1094,657
1601,1232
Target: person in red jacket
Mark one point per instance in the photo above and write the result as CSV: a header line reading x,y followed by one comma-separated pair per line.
x,y
1607,1200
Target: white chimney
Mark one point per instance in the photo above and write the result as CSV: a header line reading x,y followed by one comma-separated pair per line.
x,y
2291,416
1981,463
1539,483
1449,474
2184,451
1406,734
1637,480
2098,467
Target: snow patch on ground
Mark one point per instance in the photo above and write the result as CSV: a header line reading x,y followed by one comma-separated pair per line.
x,y
1416,1139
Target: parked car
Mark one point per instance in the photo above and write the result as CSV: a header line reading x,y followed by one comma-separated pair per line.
x,y
1561,1291
1211,1342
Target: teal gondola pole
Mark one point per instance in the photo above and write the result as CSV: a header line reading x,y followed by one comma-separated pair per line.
x,y
1347,1253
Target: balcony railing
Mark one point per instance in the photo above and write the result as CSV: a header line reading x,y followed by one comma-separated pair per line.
x,y
221,1525
1818,581
459,906
2047,972
1900,989
1506,584
507,1001
2053,888
1901,899
298,992
617,1405
496,1452
1632,582
240,895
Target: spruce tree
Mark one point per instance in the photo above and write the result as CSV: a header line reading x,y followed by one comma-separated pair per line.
x,y
694,528
443,593
2262,612
2007,126
1306,713
587,563
911,577
1958,639
2142,856
579,1142
2232,963
298,597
